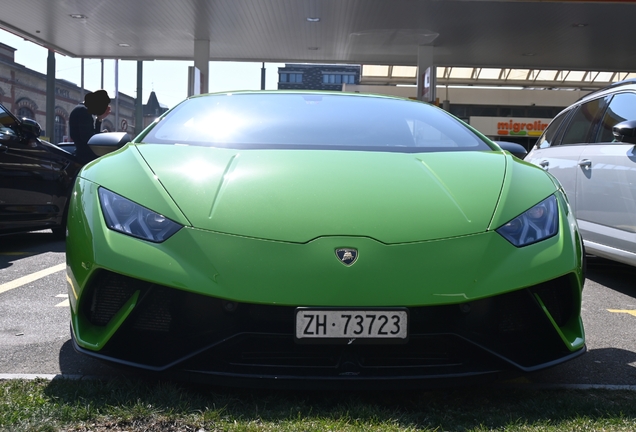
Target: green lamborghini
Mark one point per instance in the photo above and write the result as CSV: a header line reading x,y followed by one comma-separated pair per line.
x,y
321,239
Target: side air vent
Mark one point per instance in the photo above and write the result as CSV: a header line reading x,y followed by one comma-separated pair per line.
x,y
110,292
556,295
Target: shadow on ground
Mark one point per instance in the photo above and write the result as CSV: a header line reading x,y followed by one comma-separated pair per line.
x,y
17,246
616,276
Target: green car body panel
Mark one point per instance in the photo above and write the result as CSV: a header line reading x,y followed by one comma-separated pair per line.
x,y
262,226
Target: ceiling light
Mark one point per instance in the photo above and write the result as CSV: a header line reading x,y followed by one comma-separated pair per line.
x,y
124,45
78,16
313,19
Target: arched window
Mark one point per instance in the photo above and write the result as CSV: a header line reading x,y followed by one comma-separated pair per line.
x,y
59,129
25,112
25,107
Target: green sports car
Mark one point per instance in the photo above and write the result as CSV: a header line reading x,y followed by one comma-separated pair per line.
x,y
322,239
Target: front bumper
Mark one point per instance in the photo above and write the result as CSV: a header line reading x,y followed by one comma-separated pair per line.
x,y
208,338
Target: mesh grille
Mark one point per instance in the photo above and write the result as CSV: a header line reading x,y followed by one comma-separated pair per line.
x,y
170,325
515,314
110,293
557,296
155,314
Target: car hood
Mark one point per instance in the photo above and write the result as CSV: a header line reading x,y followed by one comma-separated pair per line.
x,y
299,195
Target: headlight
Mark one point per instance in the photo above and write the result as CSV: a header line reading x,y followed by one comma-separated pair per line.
x,y
130,218
538,223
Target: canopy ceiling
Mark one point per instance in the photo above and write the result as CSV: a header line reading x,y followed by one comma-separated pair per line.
x,y
582,35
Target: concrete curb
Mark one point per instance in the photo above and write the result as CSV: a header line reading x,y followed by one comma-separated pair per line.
x,y
50,377
546,386
528,386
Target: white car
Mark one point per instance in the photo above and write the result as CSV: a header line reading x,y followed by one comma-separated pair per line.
x,y
589,148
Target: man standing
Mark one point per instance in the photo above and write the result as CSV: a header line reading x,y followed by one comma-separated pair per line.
x,y
86,120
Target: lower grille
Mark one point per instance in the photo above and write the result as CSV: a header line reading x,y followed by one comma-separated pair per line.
x,y
170,327
276,355
155,316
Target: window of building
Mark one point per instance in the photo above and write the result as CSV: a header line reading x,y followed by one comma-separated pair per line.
x,y
59,129
483,111
521,112
505,112
460,111
511,111
338,79
24,112
541,112
291,77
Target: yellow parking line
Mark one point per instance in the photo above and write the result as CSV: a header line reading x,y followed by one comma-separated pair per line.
x,y
631,312
30,278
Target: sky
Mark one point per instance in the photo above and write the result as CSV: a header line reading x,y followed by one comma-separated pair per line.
x,y
168,79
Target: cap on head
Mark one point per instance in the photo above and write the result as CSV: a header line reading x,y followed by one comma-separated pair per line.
x,y
97,102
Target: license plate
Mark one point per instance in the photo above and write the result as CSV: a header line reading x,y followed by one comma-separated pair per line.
x,y
351,323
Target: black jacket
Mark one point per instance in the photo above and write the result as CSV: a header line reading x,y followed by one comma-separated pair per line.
x,y
82,127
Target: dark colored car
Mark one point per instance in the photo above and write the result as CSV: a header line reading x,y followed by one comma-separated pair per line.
x,y
36,178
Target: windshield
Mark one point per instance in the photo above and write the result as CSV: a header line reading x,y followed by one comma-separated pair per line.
x,y
329,121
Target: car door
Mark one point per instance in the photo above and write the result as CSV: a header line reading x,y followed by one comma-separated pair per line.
x,y
559,148
606,181
34,178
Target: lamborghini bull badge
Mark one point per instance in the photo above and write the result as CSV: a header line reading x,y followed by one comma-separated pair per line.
x,y
347,256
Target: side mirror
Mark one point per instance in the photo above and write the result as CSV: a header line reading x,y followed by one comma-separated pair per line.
x,y
625,131
516,149
30,128
108,142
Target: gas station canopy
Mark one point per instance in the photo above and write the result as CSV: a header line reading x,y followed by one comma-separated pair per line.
x,y
549,35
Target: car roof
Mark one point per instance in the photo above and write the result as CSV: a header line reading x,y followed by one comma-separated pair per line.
x,y
609,89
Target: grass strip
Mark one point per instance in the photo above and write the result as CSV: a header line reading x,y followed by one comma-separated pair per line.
x,y
132,405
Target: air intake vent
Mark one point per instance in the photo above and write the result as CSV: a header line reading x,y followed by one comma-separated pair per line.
x,y
515,312
154,313
110,293
556,295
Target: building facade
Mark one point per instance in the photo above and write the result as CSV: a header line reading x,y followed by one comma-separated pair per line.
x,y
317,76
23,92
